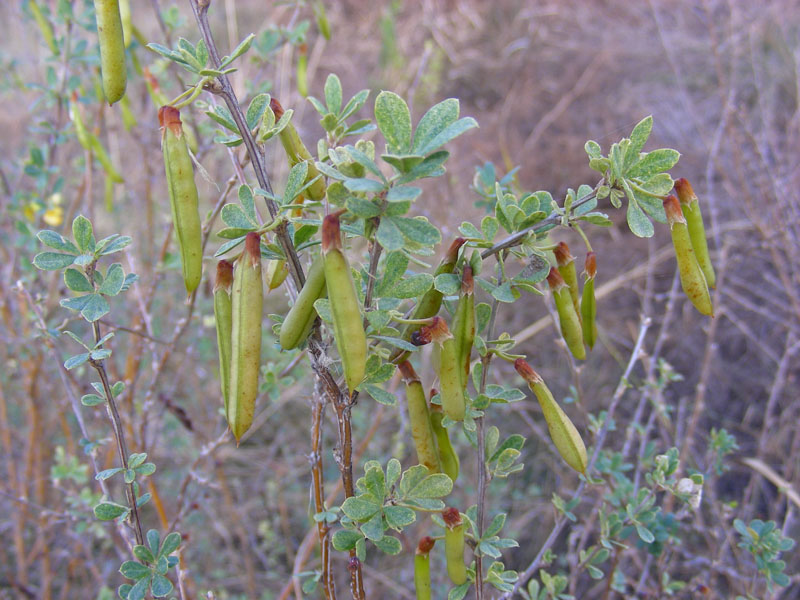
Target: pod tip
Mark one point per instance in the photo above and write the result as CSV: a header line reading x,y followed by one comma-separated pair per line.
x,y
451,517
684,190
467,282
169,116
408,373
252,247
452,251
526,371
555,280
673,210
435,331
590,266
224,278
425,545
331,232
563,256
276,107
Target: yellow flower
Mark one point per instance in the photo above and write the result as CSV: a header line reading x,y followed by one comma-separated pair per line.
x,y
54,216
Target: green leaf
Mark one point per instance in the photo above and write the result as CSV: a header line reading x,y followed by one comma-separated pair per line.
x,y
106,511
139,590
418,230
448,134
76,281
433,122
403,193
112,284
389,545
373,529
233,216
394,121
103,475
362,208
412,287
243,47
294,182
83,234
333,93
170,544
638,138
645,534
364,185
96,306
131,569
345,539
75,361
389,235
256,110
458,592
222,115
397,342
52,261
161,586
379,394
638,222
398,517
92,399
654,162
56,241
436,485
354,103
394,267
403,163
143,554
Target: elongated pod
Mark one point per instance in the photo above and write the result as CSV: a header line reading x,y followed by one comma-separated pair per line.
x,y
450,370
275,274
693,281
447,454
223,317
422,568
302,70
297,324
246,305
296,152
431,301
418,417
690,206
567,270
112,49
588,301
348,326
127,24
464,324
567,317
182,195
565,436
45,27
454,545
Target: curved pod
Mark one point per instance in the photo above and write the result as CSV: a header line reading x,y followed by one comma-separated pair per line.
x,y
297,324
419,418
567,317
690,206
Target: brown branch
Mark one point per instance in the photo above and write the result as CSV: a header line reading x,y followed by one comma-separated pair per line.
x,y
318,482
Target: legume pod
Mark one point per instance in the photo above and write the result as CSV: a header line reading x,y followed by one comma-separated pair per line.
x,y
565,436
112,49
348,325
422,568
567,317
247,299
182,195
693,281
454,545
223,317
296,152
447,454
588,302
450,370
300,318
567,270
690,206
464,325
419,419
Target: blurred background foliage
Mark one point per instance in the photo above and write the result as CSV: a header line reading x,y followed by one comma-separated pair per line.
x,y
720,78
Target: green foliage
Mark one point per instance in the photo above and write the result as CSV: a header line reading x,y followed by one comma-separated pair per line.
x,y
765,542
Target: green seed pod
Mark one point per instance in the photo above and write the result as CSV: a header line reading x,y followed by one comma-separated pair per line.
x,y
44,25
450,370
112,49
127,24
247,299
447,455
454,545
431,301
297,152
697,231
692,279
275,274
418,417
348,325
567,317
588,302
297,324
565,436
464,324
302,70
182,195
422,568
90,141
223,316
566,267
